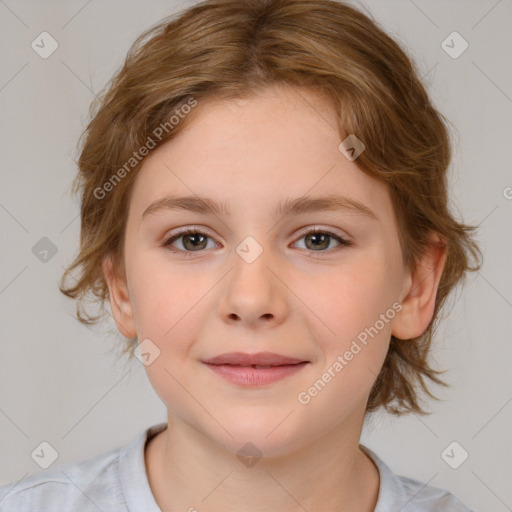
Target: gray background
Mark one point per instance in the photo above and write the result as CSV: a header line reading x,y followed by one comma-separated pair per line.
x,y
62,383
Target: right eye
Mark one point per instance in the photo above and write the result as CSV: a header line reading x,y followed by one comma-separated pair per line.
x,y
193,241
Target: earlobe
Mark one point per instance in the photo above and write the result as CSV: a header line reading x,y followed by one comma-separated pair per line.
x,y
119,299
420,296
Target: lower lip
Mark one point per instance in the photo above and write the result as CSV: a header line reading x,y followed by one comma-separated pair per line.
x,y
247,376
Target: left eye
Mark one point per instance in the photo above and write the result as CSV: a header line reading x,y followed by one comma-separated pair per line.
x,y
194,241
320,239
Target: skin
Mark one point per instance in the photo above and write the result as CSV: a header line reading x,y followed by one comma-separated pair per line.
x,y
253,153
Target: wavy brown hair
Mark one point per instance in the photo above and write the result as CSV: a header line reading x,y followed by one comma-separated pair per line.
x,y
231,49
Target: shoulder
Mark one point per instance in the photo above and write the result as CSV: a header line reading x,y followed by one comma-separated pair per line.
x,y
114,480
399,492
91,484
422,497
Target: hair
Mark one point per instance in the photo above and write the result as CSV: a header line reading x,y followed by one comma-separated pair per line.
x,y
222,49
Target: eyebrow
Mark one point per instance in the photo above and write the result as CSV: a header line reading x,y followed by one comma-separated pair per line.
x,y
290,206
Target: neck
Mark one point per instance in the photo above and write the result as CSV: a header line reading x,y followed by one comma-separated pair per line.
x,y
186,471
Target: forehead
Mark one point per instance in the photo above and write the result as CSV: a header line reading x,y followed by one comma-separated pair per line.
x,y
256,152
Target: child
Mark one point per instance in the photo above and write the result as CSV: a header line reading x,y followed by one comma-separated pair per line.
x,y
264,208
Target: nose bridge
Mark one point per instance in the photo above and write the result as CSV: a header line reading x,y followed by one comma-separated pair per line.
x,y
251,261
253,291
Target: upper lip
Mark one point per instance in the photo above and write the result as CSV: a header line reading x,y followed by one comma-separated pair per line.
x,y
260,359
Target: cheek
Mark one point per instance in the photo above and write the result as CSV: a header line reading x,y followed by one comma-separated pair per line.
x,y
352,321
354,301
168,311
353,330
171,304
162,294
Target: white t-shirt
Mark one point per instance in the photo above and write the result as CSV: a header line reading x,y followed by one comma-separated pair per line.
x,y
117,481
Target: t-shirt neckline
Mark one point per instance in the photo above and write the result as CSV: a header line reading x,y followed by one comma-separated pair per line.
x,y
137,491
133,475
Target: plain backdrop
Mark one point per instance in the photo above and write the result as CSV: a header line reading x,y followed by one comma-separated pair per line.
x,y
61,383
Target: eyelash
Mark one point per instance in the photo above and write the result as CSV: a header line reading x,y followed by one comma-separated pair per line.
x,y
315,231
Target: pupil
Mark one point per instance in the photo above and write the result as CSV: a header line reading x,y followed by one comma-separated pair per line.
x,y
316,237
194,236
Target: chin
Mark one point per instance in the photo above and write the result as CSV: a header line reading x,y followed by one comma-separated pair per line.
x,y
260,438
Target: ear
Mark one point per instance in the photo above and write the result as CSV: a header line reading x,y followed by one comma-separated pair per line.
x,y
120,303
421,291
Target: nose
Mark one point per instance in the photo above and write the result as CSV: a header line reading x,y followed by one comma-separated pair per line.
x,y
254,294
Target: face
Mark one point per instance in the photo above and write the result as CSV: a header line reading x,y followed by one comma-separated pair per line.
x,y
318,285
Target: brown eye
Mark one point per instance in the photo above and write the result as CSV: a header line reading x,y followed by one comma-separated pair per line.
x,y
194,241
191,241
320,240
317,240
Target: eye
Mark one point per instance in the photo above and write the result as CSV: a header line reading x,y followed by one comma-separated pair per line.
x,y
318,240
193,240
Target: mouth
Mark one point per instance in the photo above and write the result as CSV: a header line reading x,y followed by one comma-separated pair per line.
x,y
250,370
261,359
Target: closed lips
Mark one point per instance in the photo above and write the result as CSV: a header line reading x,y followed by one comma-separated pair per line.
x,y
256,365
260,360
254,370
